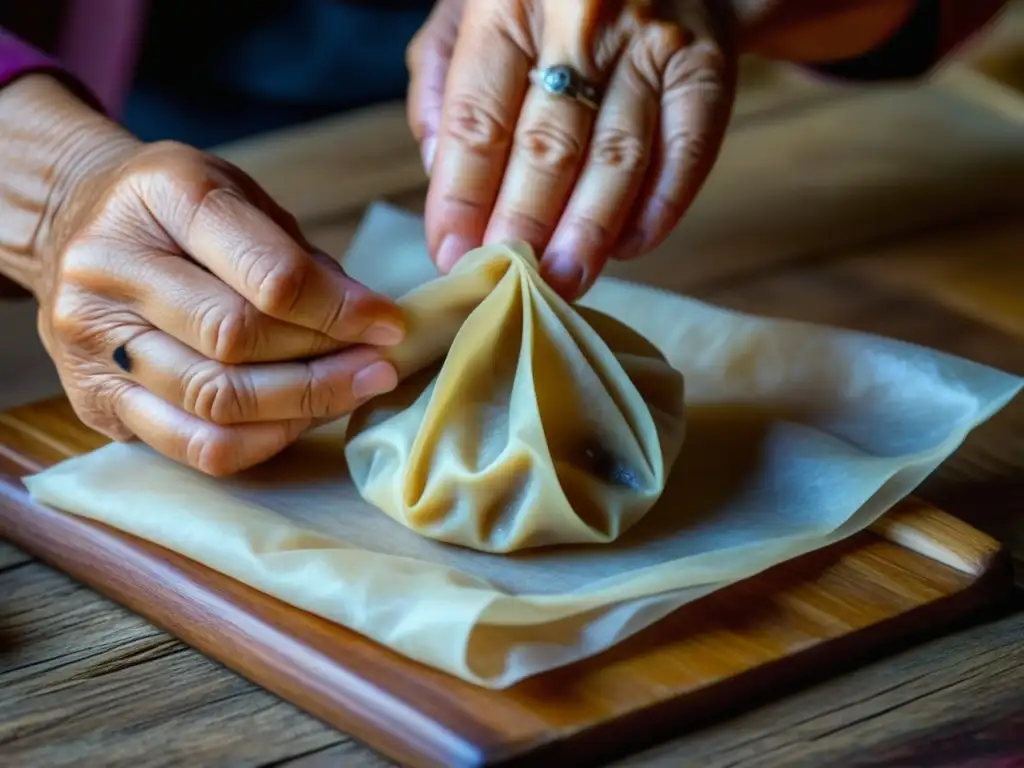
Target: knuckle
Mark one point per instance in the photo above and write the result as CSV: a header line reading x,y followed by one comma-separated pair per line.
x,y
621,149
156,172
215,196
214,395
687,148
169,148
663,39
528,227
698,103
85,321
700,68
319,396
200,201
228,333
645,73
550,147
336,312
650,55
591,231
210,199
278,282
82,262
479,124
66,315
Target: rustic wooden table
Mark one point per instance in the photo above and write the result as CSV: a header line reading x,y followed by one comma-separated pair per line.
x,y
897,212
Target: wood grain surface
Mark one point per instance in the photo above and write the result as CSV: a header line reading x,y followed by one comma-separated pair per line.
x,y
777,629
85,682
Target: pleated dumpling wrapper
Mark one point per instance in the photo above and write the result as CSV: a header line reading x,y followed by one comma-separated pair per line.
x,y
521,421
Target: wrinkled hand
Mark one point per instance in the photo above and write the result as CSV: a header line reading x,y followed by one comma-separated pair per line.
x,y
183,307
508,161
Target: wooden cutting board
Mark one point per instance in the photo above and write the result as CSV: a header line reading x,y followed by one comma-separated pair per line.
x,y
914,571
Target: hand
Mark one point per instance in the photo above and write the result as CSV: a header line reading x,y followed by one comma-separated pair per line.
x,y
183,307
508,161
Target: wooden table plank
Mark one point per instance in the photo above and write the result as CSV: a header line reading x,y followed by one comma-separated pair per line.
x,y
41,608
960,683
345,754
87,682
858,294
900,711
204,716
966,269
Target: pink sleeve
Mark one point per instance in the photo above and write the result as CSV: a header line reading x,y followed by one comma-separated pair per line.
x,y
18,58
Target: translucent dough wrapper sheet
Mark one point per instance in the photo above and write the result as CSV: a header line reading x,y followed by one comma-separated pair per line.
x,y
797,436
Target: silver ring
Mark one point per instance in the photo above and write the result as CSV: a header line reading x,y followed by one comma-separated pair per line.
x,y
564,81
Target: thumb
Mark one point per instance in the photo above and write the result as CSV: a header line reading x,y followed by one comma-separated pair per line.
x,y
428,58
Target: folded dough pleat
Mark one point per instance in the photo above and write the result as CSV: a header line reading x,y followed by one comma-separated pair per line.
x,y
521,421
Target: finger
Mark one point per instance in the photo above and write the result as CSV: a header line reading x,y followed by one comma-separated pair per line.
x,y
211,448
261,199
550,140
697,97
193,306
258,196
480,109
325,388
428,60
617,162
252,254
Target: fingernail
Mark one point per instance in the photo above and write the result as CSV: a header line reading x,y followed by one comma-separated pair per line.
x,y
382,334
375,379
453,248
563,273
427,150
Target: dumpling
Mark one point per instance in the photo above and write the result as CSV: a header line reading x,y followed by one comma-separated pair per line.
x,y
521,421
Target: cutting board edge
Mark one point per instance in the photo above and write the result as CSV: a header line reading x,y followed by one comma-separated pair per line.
x,y
24,523
976,602
365,711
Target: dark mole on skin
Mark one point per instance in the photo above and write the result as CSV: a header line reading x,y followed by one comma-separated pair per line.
x,y
603,465
122,360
